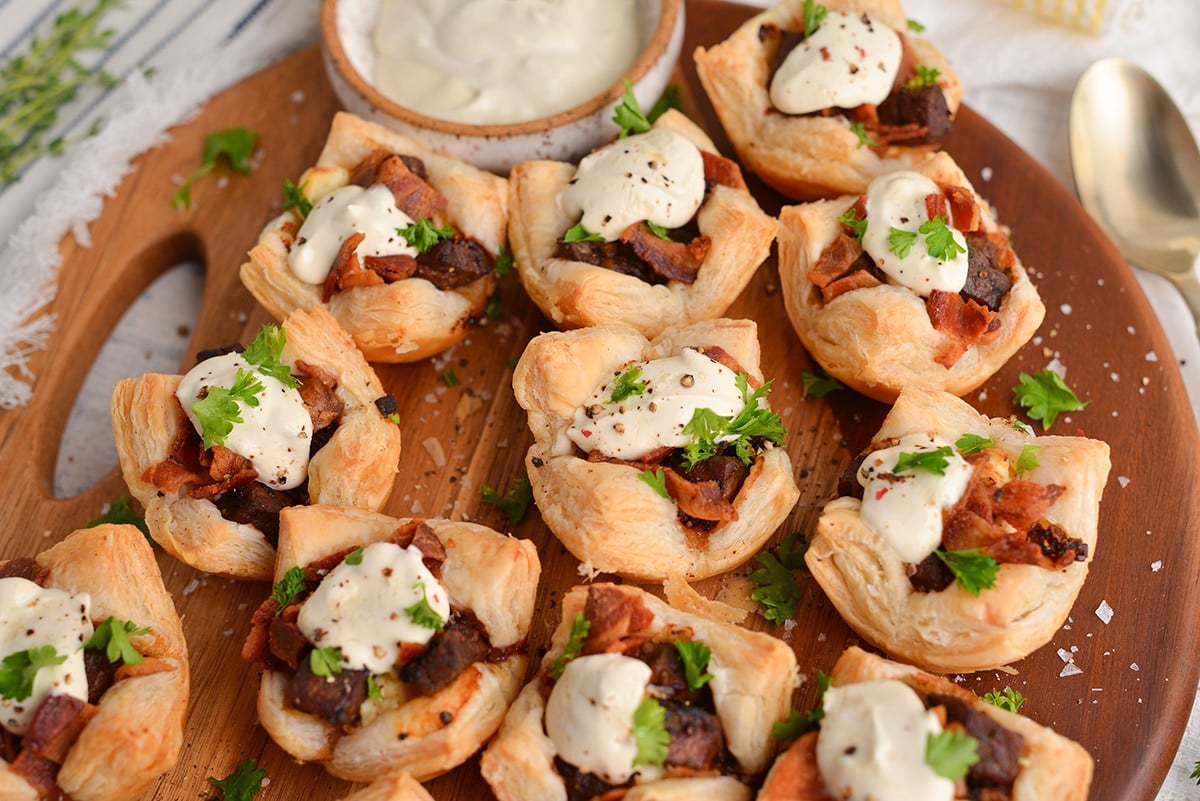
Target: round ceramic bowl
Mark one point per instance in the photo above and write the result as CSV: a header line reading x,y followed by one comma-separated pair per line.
x,y
346,36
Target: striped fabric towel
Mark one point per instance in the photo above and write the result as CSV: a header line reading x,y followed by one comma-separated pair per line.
x,y
1087,15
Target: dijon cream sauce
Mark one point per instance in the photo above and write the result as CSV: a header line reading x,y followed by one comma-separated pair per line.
x,y
502,61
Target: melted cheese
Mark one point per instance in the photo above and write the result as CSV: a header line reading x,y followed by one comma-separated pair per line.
x,y
589,715
676,386
338,216
34,617
361,608
905,508
275,435
897,200
849,60
656,176
872,744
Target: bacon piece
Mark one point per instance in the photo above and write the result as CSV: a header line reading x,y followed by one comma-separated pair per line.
x,y
347,271
615,618
859,279
1022,503
317,390
720,170
169,476
228,472
965,322
286,641
796,776
835,261
418,533
675,261
24,567
413,195
38,772
702,500
936,206
58,721
364,173
964,211
725,359
393,267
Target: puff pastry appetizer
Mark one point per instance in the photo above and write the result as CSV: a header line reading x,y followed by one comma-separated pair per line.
x,y
961,542
390,645
913,283
653,230
866,748
298,417
637,698
821,113
96,713
397,787
396,240
655,457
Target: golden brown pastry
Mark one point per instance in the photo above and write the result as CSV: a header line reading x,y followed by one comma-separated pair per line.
x,y
874,332
816,153
108,735
396,787
611,642
204,507
390,644
729,237
1029,505
1018,757
393,313
612,480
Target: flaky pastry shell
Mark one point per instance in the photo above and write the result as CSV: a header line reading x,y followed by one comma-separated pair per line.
x,y
488,574
1053,767
952,631
574,294
406,320
137,733
804,156
395,787
607,516
879,340
751,692
356,467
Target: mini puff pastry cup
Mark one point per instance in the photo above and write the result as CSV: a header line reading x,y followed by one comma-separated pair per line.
x,y
952,631
1052,766
406,320
137,733
607,516
879,340
356,467
490,575
805,156
751,693
574,294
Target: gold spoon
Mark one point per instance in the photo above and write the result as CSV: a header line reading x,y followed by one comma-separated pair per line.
x,y
1137,170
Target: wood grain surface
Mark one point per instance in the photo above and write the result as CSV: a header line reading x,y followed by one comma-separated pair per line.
x,y
1138,673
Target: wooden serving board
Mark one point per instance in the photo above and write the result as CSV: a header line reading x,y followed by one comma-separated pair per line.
x,y
1128,704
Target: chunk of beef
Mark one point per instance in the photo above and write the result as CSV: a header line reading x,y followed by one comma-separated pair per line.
x,y
999,748
286,642
697,738
462,643
100,673
581,785
57,722
930,575
255,505
337,698
616,256
453,263
674,261
707,491
1058,546
667,673
24,567
987,284
924,109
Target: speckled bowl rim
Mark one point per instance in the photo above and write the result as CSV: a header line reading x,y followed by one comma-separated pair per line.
x,y
649,56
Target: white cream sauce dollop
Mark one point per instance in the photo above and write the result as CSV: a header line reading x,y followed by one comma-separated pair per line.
x,y
905,508
34,617
656,176
336,217
275,435
849,60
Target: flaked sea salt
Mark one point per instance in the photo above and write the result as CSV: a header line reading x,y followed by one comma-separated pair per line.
x,y
1156,566
1104,612
1151,356
1134,666
1123,481
1070,669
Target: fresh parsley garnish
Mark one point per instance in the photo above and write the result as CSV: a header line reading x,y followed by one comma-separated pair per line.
x,y
1008,698
288,588
708,429
656,479
777,590
659,231
935,461
951,753
669,99
1196,773
450,378
939,239
972,568
233,145
628,114
424,615
374,691
394,418
849,218
626,385
900,241
580,627
493,310
914,26
818,386
120,513
516,503
113,637
1028,460
355,557
925,77
865,139
695,656
325,662
18,670
650,735
1045,396
294,198
264,353
242,784
218,410
504,261
423,234
970,444
577,233
814,15
800,722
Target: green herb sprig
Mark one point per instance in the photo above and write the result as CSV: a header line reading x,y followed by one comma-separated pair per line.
x,y
1008,698
422,614
219,409
241,785
973,570
695,656
650,735
515,503
627,384
709,430
819,385
970,444
580,627
656,479
17,670
814,15
288,588
777,590
234,146
113,637
935,461
119,512
423,234
1045,396
951,753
